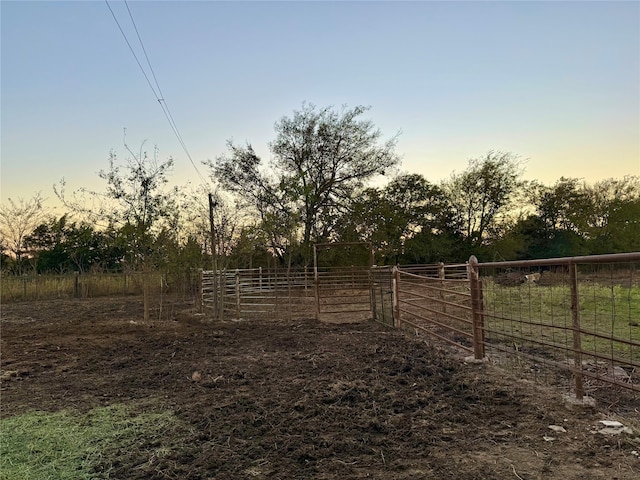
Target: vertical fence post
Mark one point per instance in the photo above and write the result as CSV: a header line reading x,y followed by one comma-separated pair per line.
x,y
199,291
476,308
306,280
214,293
442,276
395,285
275,290
237,294
289,290
577,342
222,285
372,295
316,282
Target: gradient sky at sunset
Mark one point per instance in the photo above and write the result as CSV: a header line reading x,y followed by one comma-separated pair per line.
x,y
557,83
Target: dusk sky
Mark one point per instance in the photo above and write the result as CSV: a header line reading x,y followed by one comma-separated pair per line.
x,y
557,83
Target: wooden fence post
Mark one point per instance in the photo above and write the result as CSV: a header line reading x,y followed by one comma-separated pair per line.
x,y
275,289
577,342
372,295
395,285
372,284
477,308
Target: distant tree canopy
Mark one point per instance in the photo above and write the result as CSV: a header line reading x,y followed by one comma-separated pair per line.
x,y
17,220
316,188
397,216
574,218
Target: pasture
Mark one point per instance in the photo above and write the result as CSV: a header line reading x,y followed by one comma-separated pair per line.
x,y
543,312
90,392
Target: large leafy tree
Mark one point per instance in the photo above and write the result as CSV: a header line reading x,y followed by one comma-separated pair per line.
x,y
484,194
573,217
320,157
136,200
563,206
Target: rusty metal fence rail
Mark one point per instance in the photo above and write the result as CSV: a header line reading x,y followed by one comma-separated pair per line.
x,y
331,294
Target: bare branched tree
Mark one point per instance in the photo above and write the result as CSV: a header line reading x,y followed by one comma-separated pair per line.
x,y
17,220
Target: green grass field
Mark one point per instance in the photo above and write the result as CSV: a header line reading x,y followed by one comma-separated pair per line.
x,y
78,446
543,312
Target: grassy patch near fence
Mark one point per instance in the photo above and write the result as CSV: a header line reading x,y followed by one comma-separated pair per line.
x,y
543,312
71,445
40,287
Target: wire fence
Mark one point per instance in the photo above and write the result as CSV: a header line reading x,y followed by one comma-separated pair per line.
x,y
89,285
571,320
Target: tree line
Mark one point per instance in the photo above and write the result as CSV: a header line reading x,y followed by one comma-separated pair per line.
x,y
316,188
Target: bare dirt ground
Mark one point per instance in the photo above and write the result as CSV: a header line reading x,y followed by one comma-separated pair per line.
x,y
280,399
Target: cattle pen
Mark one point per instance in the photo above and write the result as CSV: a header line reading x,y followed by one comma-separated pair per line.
x,y
573,321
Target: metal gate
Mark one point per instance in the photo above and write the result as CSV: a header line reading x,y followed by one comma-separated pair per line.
x,y
382,294
343,294
436,300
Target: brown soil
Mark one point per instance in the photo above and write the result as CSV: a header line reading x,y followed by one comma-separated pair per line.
x,y
279,399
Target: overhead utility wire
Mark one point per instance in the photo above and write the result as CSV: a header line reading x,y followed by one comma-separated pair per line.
x,y
158,93
135,27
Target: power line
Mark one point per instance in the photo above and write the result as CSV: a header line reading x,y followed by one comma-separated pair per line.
x,y
135,27
158,94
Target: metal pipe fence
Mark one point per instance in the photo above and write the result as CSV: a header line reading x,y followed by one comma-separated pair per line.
x,y
343,293
570,320
251,293
575,320
435,300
